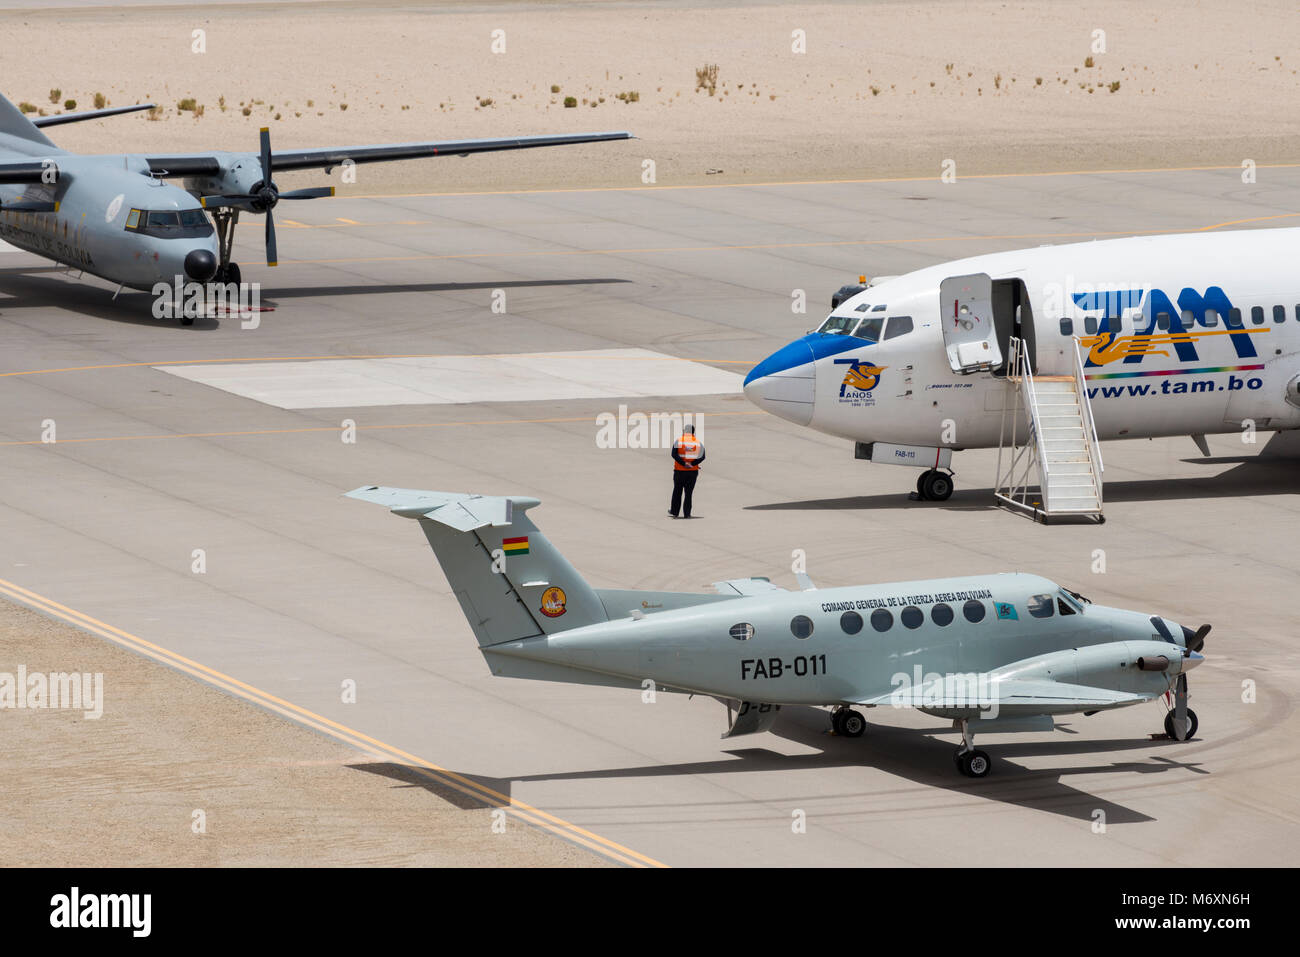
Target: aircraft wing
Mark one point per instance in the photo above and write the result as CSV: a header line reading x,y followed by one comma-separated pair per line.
x,y
746,587
24,171
210,164
58,119
970,695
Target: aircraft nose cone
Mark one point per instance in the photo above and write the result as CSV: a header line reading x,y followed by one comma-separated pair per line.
x,y
784,383
200,265
1192,660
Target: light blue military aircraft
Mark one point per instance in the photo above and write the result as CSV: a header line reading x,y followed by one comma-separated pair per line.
x,y
992,653
116,217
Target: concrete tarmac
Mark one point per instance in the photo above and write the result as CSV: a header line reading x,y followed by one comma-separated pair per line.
x,y
302,591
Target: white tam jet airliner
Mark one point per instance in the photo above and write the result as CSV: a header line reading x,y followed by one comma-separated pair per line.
x,y
1045,351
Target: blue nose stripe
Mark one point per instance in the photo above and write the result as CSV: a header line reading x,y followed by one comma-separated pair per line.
x,y
802,351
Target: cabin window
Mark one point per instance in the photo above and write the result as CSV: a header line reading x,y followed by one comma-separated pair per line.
x,y
1211,317
941,614
1090,325
912,617
898,326
1040,606
1162,320
1279,313
1234,318
882,619
801,626
1297,312
869,329
974,611
742,631
1067,327
1188,320
850,623
1257,315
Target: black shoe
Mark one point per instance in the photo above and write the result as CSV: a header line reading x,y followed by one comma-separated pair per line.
x,y
672,515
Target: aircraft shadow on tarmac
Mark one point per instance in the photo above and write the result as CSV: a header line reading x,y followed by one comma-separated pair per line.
x,y
915,755
1252,476
33,288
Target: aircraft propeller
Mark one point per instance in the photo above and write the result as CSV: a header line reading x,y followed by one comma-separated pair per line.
x,y
1193,641
264,195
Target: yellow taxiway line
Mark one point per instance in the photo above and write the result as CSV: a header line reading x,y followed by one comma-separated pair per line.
x,y
362,742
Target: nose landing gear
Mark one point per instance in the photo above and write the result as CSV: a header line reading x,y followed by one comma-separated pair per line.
x,y
933,485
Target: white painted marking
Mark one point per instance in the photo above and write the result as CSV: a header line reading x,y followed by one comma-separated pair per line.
x,y
7,248
447,380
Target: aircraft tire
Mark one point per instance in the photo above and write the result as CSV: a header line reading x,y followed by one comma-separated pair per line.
x,y
232,273
936,486
852,724
187,320
920,483
1192,725
974,764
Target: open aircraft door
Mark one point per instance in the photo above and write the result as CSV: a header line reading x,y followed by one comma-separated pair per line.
x,y
966,314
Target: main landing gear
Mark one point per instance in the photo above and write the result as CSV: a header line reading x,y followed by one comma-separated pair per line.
x,y
848,723
225,219
970,760
933,485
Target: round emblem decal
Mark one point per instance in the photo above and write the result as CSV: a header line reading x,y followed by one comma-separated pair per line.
x,y
114,207
553,602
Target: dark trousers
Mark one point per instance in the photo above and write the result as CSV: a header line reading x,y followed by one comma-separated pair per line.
x,y
683,482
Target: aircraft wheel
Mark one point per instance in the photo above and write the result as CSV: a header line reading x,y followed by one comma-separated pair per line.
x,y
1192,725
936,486
920,483
187,320
852,724
232,273
974,764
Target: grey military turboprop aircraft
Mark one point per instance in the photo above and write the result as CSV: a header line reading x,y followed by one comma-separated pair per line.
x,y
115,216
993,653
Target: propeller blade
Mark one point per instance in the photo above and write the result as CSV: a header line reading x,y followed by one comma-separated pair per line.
x,y
215,202
271,258
1197,641
265,136
1181,725
314,192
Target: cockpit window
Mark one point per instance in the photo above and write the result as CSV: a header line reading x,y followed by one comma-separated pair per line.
x,y
1041,606
838,325
1067,599
869,329
898,326
169,223
863,308
879,308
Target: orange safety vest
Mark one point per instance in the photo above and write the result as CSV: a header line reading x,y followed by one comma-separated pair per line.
x,y
689,448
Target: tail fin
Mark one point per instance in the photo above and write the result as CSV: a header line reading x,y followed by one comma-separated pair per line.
x,y
13,122
510,580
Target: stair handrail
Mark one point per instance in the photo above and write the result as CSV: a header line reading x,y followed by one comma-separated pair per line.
x,y
1080,384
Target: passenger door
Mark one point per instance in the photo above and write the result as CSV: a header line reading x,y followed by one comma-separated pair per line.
x,y
966,316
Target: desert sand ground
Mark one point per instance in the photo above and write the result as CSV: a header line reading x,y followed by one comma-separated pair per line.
x,y
882,89
122,790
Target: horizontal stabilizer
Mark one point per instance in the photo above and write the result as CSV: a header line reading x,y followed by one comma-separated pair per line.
x,y
461,511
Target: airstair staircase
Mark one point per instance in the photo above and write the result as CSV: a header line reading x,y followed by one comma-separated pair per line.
x,y
1054,468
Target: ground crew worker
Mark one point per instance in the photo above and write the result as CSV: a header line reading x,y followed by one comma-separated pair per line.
x,y
688,456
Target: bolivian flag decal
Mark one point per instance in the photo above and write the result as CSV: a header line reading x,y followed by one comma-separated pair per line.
x,y
515,546
553,602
